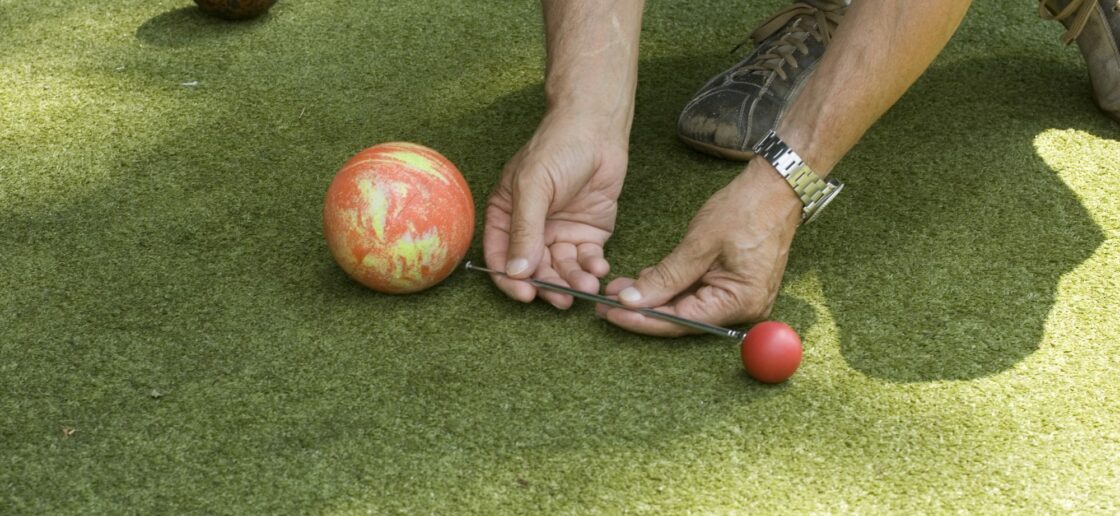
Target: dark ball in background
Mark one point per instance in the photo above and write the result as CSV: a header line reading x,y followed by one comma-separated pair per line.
x,y
235,9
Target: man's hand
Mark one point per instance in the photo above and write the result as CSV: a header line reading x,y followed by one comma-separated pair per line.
x,y
555,205
729,266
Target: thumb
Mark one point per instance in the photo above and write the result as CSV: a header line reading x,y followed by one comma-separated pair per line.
x,y
531,198
675,274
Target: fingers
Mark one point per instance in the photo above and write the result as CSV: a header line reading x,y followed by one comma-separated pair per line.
x,y
566,261
495,245
546,272
560,263
560,266
531,197
672,276
707,304
636,322
591,260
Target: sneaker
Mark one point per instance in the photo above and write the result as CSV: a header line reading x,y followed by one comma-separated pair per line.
x,y
1095,26
735,109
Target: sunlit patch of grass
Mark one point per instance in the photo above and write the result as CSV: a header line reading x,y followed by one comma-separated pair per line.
x,y
1090,165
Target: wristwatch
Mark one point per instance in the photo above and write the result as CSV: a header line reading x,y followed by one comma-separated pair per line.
x,y
814,191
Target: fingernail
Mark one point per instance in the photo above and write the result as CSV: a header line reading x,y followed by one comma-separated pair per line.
x,y
515,267
630,295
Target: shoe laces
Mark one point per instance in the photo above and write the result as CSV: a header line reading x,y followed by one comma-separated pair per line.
x,y
1077,11
799,21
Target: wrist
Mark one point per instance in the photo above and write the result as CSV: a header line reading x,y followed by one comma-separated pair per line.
x,y
614,115
602,93
810,140
598,126
812,190
761,185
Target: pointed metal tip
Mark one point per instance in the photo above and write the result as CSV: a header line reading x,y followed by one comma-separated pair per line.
x,y
470,266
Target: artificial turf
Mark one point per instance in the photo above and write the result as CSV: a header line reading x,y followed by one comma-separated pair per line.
x,y
174,336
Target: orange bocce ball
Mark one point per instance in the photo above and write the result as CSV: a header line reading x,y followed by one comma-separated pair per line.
x,y
398,217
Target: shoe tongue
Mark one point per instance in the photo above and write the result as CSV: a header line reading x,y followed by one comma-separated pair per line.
x,y
793,13
771,58
794,34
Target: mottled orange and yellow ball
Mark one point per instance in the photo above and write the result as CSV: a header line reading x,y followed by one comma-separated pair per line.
x,y
398,217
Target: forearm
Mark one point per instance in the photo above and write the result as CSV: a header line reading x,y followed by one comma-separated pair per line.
x,y
592,65
880,49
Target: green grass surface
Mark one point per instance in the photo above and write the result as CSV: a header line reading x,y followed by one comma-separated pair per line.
x,y
167,301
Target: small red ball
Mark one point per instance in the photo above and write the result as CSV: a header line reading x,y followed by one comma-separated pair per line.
x,y
771,352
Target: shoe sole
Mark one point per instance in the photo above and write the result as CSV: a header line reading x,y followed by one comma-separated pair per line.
x,y
719,152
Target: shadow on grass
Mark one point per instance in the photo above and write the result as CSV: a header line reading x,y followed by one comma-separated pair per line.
x,y
189,26
944,261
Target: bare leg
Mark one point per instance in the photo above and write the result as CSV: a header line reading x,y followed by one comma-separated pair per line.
x,y
880,50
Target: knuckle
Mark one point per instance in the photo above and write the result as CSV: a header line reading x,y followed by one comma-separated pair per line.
x,y
521,232
496,215
758,312
662,276
754,305
523,181
527,183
